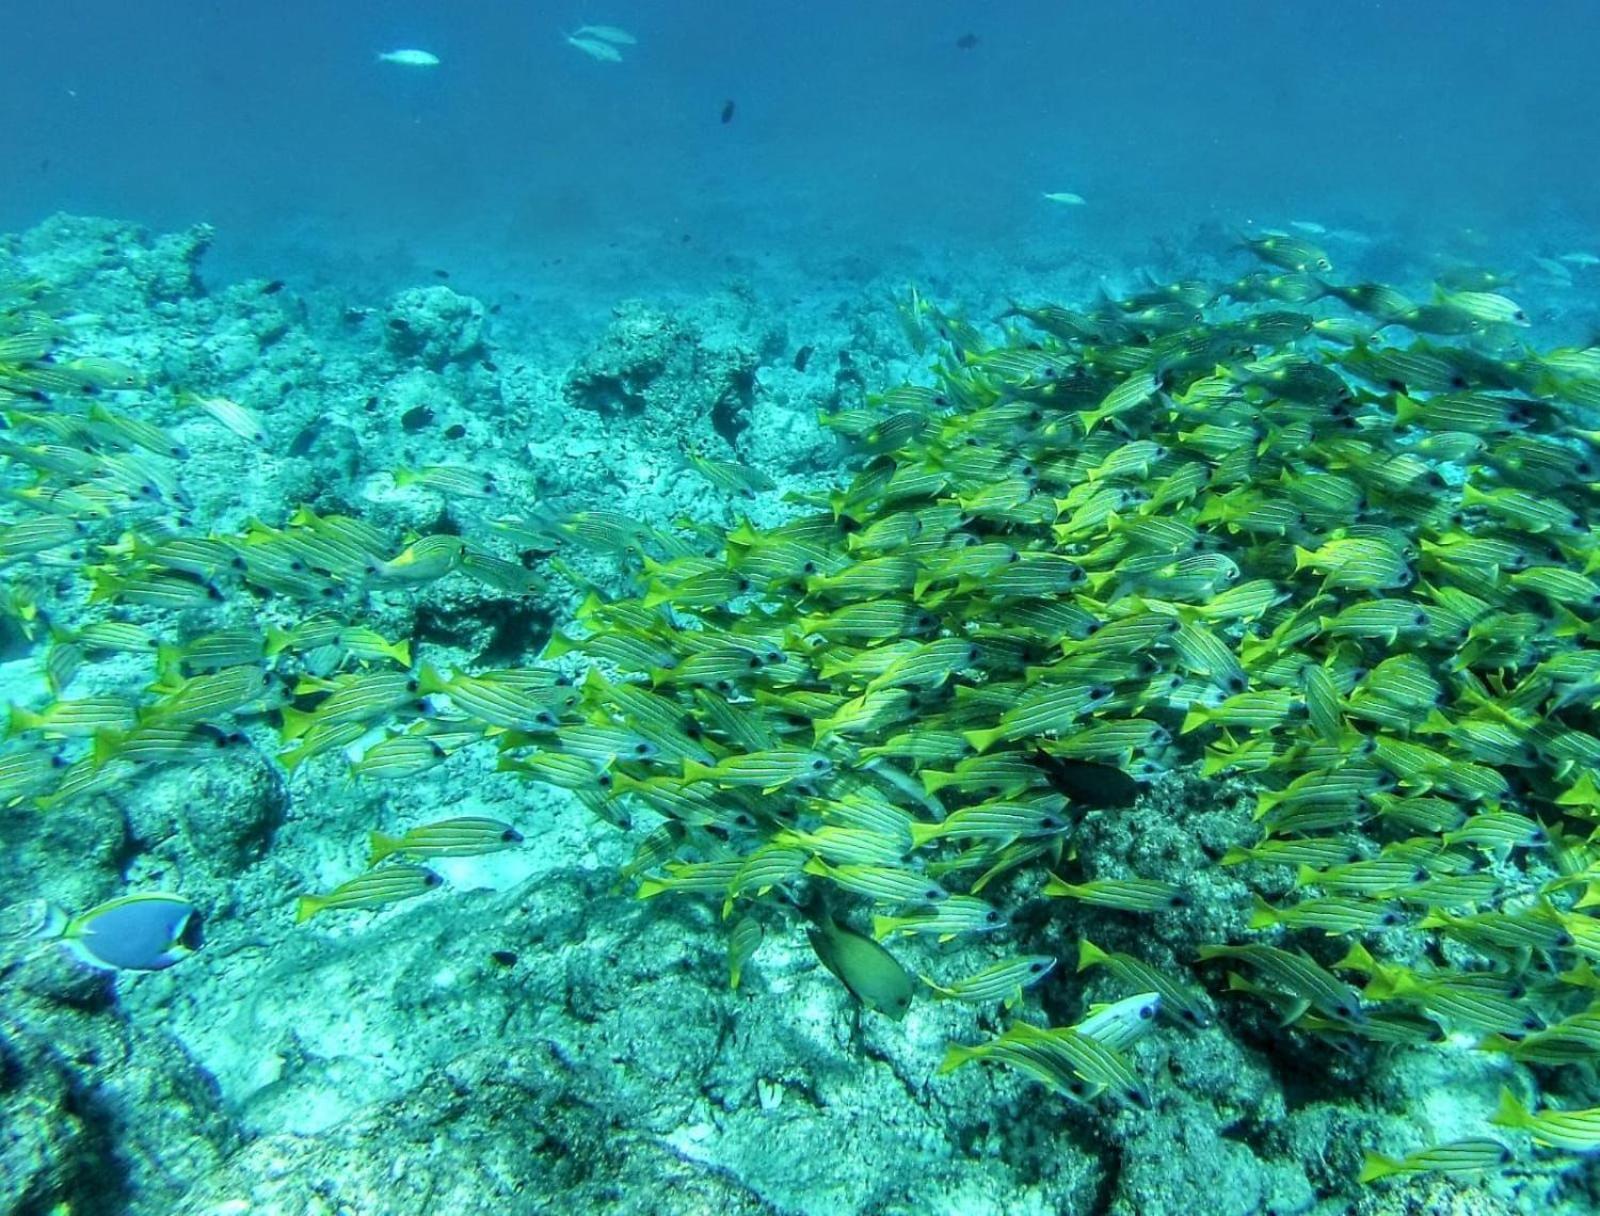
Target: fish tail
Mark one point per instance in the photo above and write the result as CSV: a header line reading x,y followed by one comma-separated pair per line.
x,y
1510,1112
429,680
981,740
695,771
1263,915
106,745
1376,1165
922,833
306,907
1194,719
955,1056
1090,955
169,661
380,846
295,722
20,719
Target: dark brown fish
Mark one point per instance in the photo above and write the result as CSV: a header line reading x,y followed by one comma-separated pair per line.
x,y
1086,783
727,111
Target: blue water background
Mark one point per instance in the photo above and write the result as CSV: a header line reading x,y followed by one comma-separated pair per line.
x,y
860,125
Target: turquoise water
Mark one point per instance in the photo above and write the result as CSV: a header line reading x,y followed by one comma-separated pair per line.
x,y
691,607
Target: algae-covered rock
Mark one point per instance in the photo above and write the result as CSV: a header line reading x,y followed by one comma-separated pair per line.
x,y
435,326
676,377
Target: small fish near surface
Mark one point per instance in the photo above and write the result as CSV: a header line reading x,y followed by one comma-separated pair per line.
x,y
1065,197
145,932
727,111
601,42
409,58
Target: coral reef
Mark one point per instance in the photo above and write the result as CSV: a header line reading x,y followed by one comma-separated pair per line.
x,y
1217,615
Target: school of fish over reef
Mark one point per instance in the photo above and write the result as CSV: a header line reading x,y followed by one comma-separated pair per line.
x,y
1326,544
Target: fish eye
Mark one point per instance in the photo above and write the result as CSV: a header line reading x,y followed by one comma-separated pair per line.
x,y
1178,901
932,893
1146,1012
604,781
511,836
1035,968
991,917
431,879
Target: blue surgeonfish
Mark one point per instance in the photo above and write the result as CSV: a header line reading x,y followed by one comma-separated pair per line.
x,y
145,932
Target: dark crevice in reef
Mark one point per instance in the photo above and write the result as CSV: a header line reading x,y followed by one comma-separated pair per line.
x,y
516,630
730,415
88,1176
1109,1185
606,394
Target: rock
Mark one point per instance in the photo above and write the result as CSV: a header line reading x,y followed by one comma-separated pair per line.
x,y
434,326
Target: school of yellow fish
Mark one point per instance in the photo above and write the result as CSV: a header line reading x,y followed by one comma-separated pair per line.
x,y
1324,537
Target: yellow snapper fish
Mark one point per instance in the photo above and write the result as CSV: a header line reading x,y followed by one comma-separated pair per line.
x,y
374,889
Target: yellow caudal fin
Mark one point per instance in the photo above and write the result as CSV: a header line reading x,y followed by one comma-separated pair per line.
x,y
380,846
956,1056
1510,1112
295,722
1376,1165
1090,955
